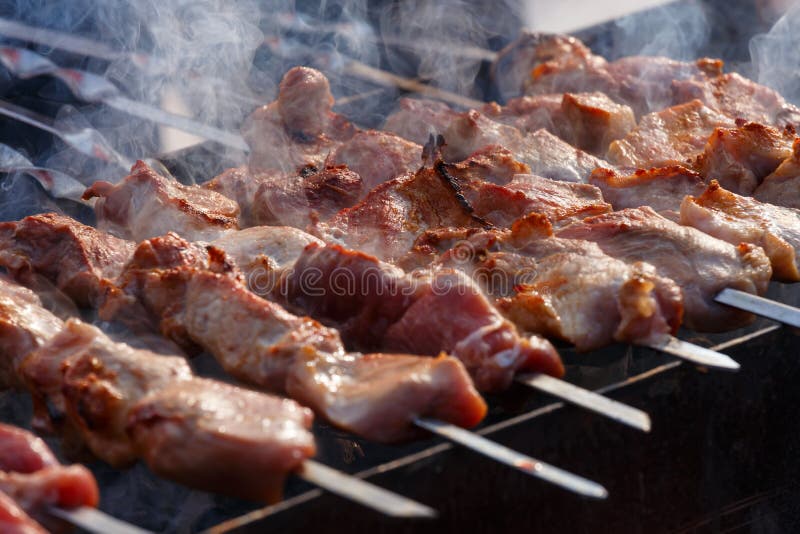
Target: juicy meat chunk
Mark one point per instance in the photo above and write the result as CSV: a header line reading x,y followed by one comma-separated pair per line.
x,y
674,136
385,307
31,478
24,326
661,188
595,120
397,387
472,130
83,377
568,289
264,252
492,163
240,185
416,120
738,219
782,187
299,128
306,197
700,264
146,204
739,158
377,156
561,202
203,301
75,257
530,113
739,98
206,435
549,156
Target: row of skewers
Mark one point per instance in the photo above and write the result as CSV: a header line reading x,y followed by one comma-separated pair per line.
x,y
176,284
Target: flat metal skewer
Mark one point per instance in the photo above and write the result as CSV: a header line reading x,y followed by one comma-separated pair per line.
x,y
57,183
783,313
363,492
95,521
595,402
90,87
512,458
695,354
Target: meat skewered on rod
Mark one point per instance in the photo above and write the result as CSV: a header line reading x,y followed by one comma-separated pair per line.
x,y
123,403
112,213
268,372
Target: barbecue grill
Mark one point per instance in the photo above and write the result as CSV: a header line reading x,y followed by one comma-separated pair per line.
x,y
720,456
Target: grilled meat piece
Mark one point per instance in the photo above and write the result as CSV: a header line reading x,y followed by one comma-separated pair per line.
x,y
75,257
568,289
530,113
739,158
737,219
700,264
375,304
782,187
739,98
561,202
595,121
126,403
209,435
83,377
674,136
661,188
417,119
377,156
146,204
299,128
473,131
31,479
205,302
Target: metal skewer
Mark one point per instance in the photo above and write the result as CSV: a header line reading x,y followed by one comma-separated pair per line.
x,y
363,492
512,458
57,183
90,87
589,400
95,521
695,353
87,141
783,313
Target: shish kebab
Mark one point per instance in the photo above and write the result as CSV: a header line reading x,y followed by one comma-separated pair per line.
x,y
124,403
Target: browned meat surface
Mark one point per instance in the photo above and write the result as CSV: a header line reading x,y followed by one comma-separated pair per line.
x,y
83,377
33,478
416,120
561,202
537,64
262,253
75,257
472,131
388,220
674,136
739,98
14,520
375,304
240,185
378,157
700,264
782,187
299,128
738,219
568,289
146,204
740,158
24,326
531,113
661,188
209,435
595,121
492,163
305,198
204,301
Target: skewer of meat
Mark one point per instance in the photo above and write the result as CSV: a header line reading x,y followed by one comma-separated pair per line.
x,y
124,403
301,355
